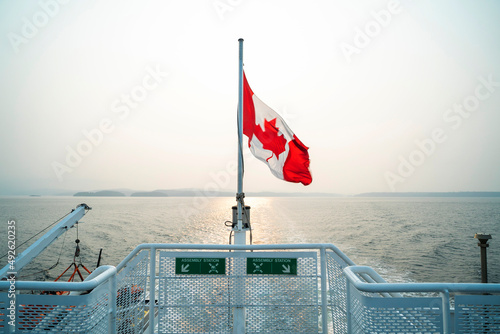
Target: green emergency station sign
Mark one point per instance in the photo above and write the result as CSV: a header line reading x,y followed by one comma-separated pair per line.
x,y
271,266
200,266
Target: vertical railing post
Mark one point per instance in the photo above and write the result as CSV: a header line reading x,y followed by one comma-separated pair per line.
x,y
152,287
445,296
112,300
324,290
348,305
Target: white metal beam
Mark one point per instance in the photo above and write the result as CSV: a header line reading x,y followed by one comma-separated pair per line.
x,y
41,244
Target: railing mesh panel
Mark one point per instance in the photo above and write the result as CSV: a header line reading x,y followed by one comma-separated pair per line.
x,y
337,292
131,309
274,302
477,314
205,303
287,304
68,314
373,314
4,312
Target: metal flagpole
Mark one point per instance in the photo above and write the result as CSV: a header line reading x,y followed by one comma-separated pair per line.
x,y
239,228
240,233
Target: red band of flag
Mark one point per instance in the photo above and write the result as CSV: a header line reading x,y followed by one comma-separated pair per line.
x,y
272,141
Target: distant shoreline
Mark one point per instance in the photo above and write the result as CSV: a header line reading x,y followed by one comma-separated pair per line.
x,y
432,194
198,193
201,193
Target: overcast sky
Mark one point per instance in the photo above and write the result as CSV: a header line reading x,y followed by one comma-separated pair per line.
x,y
388,95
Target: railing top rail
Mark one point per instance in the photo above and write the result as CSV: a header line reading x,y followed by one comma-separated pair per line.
x,y
234,247
108,272
352,273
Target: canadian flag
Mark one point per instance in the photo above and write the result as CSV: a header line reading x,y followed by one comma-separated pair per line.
x,y
272,141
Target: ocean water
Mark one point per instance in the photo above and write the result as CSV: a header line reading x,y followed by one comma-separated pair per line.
x,y
404,239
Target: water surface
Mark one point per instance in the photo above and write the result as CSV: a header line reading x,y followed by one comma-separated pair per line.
x,y
404,239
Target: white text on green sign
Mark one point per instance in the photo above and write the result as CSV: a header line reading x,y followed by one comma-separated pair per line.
x,y
271,266
200,266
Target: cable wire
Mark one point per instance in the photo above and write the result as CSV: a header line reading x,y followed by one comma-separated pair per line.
x,y
53,266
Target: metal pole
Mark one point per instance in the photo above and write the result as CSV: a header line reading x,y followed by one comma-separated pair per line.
x,y
112,303
484,264
483,243
240,235
324,291
445,298
152,288
239,230
240,117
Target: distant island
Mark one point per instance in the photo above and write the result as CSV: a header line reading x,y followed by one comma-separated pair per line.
x,y
194,193
432,194
201,193
149,194
102,193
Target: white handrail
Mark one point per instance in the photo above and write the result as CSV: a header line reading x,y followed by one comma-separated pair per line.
x,y
140,247
376,284
352,273
63,286
107,276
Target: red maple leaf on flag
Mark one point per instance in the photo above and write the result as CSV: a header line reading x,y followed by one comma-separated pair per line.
x,y
270,139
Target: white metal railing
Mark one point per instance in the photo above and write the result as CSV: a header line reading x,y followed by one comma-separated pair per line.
x,y
477,305
89,307
317,283
328,293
